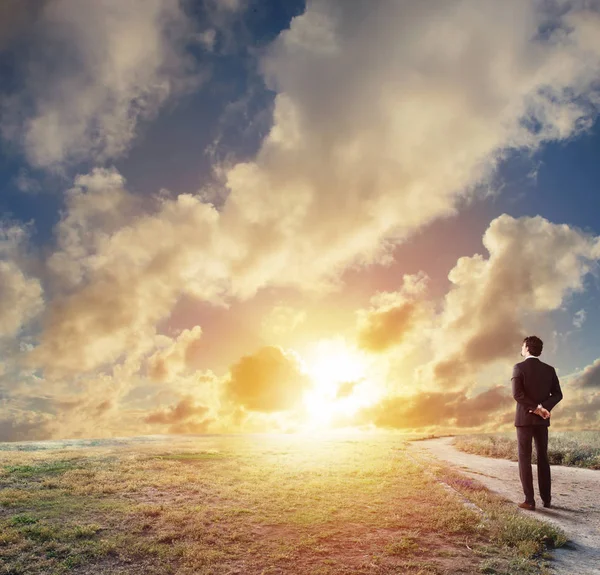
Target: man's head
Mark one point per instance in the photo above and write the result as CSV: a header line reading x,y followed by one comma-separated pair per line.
x,y
532,345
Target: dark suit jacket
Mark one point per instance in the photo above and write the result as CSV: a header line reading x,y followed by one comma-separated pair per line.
x,y
533,382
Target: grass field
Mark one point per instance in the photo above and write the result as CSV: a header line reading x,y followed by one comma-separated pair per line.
x,y
253,505
574,448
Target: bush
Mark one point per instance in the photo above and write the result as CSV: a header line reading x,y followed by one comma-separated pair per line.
x,y
573,448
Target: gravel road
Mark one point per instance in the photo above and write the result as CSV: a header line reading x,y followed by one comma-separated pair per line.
x,y
575,500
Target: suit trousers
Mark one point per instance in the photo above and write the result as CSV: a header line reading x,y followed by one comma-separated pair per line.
x,y
539,433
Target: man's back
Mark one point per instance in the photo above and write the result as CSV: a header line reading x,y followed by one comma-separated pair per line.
x,y
536,390
534,382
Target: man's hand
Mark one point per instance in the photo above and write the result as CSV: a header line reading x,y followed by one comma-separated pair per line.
x,y
541,411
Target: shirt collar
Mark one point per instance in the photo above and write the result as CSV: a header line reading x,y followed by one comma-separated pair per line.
x,y
532,357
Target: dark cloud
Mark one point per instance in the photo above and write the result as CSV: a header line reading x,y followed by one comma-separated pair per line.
x,y
498,338
16,17
580,408
589,377
533,265
27,429
382,329
104,406
450,370
493,336
452,409
477,410
269,380
178,413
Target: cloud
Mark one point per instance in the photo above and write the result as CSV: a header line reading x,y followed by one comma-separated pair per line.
x,y
579,318
89,405
97,207
227,33
268,380
227,5
533,265
363,151
21,293
366,149
282,319
121,403
178,413
26,183
359,157
94,71
580,407
393,315
80,402
440,410
345,389
21,298
19,425
14,16
177,356
113,280
207,39
589,377
191,427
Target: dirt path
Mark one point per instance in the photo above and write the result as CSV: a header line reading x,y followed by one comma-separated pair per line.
x,y
575,500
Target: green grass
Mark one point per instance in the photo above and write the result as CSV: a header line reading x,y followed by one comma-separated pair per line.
x,y
571,448
253,505
41,468
506,525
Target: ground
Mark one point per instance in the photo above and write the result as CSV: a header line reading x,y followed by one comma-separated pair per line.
x,y
576,507
252,505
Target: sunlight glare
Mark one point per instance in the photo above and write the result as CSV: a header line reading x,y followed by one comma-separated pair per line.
x,y
343,382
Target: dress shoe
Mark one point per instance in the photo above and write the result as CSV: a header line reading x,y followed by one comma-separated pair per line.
x,y
547,504
528,506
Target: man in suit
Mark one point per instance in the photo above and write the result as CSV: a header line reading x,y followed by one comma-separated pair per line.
x,y
536,390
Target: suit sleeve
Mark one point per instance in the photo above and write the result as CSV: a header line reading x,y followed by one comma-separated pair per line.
x,y
555,393
518,389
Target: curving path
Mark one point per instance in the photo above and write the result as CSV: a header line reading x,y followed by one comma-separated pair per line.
x,y
575,500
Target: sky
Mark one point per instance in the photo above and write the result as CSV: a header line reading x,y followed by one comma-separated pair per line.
x,y
244,216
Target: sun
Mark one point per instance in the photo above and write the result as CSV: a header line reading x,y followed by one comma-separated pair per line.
x,y
344,381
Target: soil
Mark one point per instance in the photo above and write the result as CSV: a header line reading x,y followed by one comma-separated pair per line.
x,y
575,500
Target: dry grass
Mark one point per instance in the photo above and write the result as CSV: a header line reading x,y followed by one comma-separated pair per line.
x,y
251,505
572,448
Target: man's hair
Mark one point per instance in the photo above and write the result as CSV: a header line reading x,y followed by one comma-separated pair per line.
x,y
534,344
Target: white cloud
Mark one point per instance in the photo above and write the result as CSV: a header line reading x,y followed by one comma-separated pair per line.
x,y
579,318
387,114
98,206
95,70
282,320
118,271
26,184
364,150
176,356
533,265
21,293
